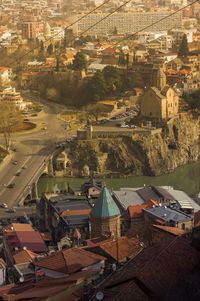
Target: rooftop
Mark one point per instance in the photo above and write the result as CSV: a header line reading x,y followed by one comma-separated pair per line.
x,y
105,205
69,261
167,214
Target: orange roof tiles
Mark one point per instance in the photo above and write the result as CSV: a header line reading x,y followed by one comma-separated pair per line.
x,y
76,212
24,256
18,227
118,249
172,230
136,211
69,261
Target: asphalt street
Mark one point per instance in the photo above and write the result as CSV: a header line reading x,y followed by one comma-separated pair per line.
x,y
32,148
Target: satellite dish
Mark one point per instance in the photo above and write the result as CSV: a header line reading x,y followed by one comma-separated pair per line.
x,y
21,279
99,296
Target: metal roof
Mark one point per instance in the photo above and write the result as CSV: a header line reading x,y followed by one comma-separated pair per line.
x,y
180,195
148,194
105,205
168,214
127,198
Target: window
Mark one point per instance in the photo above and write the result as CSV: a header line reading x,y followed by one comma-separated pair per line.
x,y
183,226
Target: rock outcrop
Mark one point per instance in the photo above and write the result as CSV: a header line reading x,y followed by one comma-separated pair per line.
x,y
177,145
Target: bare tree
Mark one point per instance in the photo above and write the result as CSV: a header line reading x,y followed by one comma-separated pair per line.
x,y
9,117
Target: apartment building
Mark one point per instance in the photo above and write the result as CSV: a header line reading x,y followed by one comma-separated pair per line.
x,y
126,23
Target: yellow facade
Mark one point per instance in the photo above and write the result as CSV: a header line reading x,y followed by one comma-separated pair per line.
x,y
159,105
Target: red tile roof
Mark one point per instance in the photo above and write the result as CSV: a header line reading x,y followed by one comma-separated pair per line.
x,y
32,240
136,211
24,256
154,271
171,230
47,287
69,261
119,249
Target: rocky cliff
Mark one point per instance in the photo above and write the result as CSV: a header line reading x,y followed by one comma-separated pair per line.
x,y
178,144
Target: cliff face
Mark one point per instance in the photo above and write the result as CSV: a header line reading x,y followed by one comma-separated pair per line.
x,y
178,144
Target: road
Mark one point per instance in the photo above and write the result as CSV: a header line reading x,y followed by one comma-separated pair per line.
x,y
31,150
19,212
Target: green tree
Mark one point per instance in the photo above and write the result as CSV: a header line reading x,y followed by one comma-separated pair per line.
x,y
79,62
112,77
183,48
96,88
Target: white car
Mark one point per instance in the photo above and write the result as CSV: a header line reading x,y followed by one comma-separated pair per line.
x,y
3,205
124,126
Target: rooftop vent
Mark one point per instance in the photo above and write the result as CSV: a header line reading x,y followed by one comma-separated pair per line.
x,y
99,296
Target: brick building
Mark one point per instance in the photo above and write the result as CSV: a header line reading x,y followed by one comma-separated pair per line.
x,y
105,216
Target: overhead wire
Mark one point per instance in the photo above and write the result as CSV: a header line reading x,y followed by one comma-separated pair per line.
x,y
158,21
90,27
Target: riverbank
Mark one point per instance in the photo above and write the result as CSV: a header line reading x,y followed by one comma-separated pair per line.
x,y
185,178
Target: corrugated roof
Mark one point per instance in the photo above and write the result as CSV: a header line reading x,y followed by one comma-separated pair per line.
x,y
127,198
147,193
105,205
180,195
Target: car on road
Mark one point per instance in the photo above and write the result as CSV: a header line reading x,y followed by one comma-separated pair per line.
x,y
11,185
11,210
3,205
18,174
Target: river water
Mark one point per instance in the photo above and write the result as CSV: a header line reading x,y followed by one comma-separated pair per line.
x,y
185,178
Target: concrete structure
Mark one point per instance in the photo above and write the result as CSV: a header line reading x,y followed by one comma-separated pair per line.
x,y
105,216
126,23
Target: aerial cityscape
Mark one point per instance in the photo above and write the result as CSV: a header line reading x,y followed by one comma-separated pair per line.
x,y
99,150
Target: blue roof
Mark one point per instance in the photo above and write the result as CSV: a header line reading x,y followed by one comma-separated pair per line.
x,y
105,205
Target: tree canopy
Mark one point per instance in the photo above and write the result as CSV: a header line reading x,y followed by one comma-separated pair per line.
x,y
79,62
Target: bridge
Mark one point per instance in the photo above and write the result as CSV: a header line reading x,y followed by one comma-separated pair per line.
x,y
31,189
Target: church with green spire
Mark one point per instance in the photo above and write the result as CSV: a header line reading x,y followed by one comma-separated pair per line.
x,y
105,216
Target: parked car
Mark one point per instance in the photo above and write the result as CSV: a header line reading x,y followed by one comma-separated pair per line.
x,y
3,205
24,167
18,174
15,162
26,119
11,210
11,185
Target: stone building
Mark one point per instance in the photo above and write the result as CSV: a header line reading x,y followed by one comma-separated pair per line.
x,y
105,216
160,104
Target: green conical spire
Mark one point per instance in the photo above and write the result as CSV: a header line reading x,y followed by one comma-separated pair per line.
x,y
105,205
